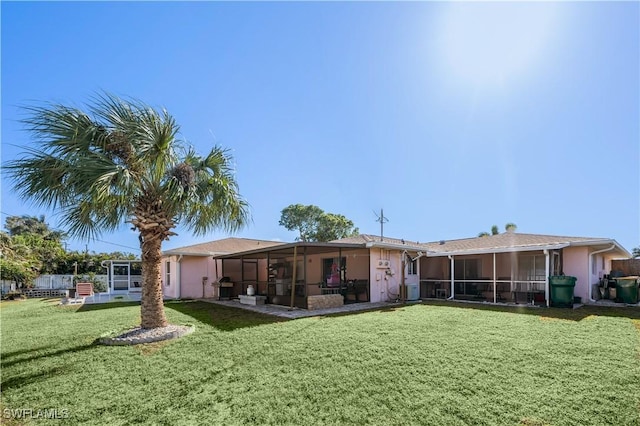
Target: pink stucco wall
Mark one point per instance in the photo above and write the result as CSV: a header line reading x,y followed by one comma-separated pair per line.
x,y
169,289
186,276
386,286
575,262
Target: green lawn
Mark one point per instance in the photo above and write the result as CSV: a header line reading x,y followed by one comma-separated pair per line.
x,y
434,364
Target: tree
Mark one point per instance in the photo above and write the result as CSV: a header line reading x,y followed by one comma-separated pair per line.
x,y
120,161
45,252
509,227
334,227
635,252
303,219
18,263
313,224
19,225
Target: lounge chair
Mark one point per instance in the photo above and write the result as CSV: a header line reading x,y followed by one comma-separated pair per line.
x,y
84,290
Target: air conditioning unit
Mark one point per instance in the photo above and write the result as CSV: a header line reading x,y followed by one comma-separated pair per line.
x,y
383,264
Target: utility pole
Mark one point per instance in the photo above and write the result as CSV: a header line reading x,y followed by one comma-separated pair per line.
x,y
382,221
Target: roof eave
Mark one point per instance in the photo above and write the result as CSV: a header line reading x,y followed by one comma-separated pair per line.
x,y
394,246
497,250
288,246
188,253
603,241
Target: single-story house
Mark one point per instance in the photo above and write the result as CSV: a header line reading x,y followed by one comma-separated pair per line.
x,y
190,272
514,267
504,268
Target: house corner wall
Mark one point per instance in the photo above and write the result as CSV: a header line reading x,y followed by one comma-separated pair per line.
x,y
385,286
169,291
576,263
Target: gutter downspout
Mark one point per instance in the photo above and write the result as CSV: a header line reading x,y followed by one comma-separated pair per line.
x,y
294,276
452,279
590,266
495,289
178,276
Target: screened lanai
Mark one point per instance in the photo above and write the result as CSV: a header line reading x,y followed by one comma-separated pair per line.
x,y
288,274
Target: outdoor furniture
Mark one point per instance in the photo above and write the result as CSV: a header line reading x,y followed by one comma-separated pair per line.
x,y
362,288
84,290
252,300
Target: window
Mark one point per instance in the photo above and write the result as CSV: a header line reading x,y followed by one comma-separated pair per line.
x,y
167,272
334,270
467,269
531,268
412,267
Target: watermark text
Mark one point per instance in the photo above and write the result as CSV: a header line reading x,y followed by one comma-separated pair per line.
x,y
33,413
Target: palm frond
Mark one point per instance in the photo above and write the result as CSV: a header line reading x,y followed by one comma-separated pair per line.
x,y
98,167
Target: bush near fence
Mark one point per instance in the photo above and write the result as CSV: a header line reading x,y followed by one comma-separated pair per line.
x,y
50,282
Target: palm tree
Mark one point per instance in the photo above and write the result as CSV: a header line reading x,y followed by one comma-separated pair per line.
x,y
510,227
121,162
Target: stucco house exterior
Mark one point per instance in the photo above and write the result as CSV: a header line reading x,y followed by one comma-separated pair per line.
x,y
514,267
504,268
190,272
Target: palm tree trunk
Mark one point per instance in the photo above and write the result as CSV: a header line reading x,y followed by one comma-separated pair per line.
x,y
152,307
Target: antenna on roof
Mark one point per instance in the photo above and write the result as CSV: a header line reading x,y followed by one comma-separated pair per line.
x,y
382,220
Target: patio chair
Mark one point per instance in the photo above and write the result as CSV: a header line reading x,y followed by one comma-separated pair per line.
x,y
84,290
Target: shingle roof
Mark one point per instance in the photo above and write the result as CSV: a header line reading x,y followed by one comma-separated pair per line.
x,y
508,240
225,245
493,243
368,238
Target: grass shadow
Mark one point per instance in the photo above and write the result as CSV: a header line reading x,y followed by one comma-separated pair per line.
x,y
224,318
5,364
27,379
108,305
577,314
379,309
11,354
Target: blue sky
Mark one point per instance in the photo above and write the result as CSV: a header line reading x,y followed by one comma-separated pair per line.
x,y
451,116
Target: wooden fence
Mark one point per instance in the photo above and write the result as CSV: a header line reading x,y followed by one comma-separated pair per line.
x,y
628,267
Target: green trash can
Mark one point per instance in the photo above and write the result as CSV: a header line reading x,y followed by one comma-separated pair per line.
x,y
627,289
561,288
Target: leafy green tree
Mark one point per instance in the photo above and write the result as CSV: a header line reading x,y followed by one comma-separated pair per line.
x,y
120,161
17,261
495,230
483,234
334,227
313,224
20,271
303,219
45,252
635,252
20,225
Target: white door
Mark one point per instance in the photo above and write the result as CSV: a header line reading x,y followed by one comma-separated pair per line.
x,y
120,277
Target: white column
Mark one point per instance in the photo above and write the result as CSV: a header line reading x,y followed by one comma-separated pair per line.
x,y
546,276
495,294
453,289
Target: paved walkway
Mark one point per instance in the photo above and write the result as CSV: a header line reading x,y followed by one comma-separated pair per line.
x,y
286,312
